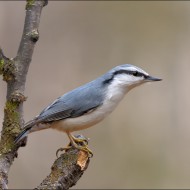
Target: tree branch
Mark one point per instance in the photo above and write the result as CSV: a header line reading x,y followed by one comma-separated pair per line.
x,y
70,166
66,170
7,68
14,72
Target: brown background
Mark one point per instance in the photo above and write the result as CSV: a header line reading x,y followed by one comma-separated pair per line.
x,y
145,143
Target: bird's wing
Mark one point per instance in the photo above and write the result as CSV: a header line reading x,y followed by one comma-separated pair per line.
x,y
73,104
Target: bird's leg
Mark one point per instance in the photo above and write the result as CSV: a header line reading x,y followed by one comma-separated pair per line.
x,y
78,142
81,140
78,139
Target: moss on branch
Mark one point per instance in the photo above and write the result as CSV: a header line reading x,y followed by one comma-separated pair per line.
x,y
7,69
29,3
2,63
11,126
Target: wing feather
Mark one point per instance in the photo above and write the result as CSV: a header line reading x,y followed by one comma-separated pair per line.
x,y
73,104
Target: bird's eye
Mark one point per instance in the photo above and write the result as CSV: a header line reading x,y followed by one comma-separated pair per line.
x,y
135,73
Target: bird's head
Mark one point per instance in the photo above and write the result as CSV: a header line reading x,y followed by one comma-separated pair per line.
x,y
129,76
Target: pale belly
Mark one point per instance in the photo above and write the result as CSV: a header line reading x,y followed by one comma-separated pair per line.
x,y
89,119
80,123
85,121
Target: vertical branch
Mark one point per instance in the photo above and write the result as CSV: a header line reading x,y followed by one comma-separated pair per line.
x,y
14,72
70,166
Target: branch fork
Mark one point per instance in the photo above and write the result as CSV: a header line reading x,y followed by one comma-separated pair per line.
x,y
69,167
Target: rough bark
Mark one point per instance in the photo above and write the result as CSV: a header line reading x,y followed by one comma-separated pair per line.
x,y
14,72
66,170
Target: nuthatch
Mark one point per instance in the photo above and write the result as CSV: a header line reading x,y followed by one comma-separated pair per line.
x,y
89,104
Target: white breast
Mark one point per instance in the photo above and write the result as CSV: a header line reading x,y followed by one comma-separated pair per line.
x,y
113,97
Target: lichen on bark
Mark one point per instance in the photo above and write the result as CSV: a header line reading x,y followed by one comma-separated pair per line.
x,y
11,126
29,3
2,62
7,69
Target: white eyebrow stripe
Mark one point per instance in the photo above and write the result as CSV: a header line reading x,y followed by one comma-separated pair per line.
x,y
137,69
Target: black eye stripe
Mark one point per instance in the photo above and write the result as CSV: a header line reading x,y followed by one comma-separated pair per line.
x,y
134,73
138,74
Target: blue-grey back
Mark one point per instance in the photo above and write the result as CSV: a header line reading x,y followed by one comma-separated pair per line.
x,y
76,102
80,100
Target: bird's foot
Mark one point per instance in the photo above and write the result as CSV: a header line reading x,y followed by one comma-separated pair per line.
x,y
79,142
79,139
62,149
85,149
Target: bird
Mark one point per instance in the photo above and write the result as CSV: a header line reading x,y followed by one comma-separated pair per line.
x,y
88,104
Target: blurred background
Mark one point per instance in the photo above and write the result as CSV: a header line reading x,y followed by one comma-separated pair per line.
x,y
145,142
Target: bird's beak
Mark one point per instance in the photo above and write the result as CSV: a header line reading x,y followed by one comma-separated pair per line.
x,y
150,78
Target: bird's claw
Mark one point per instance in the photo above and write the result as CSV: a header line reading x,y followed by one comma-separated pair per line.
x,y
62,149
82,148
79,142
87,150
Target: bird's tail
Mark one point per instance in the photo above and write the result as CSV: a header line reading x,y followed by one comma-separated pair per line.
x,y
25,131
